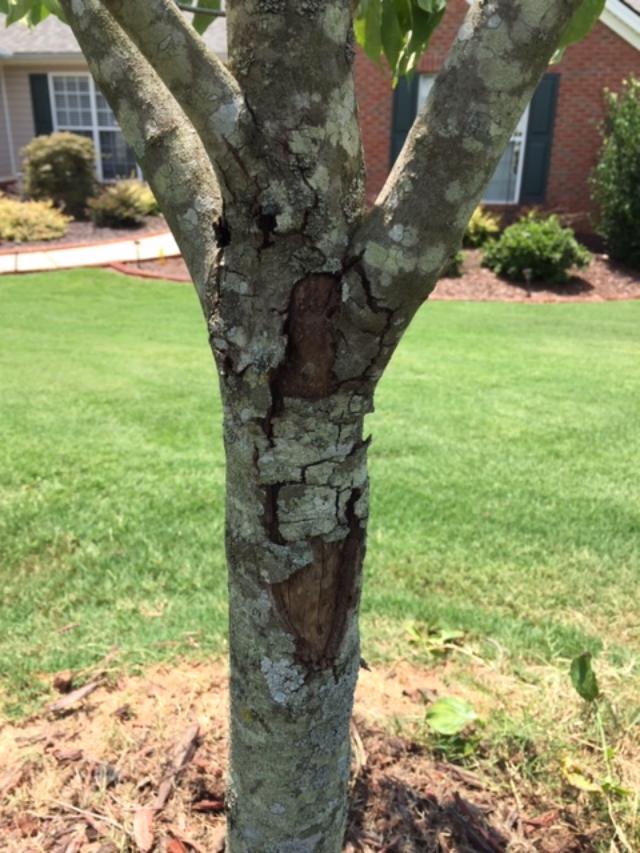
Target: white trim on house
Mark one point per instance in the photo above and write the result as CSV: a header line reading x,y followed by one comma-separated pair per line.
x,y
7,126
623,21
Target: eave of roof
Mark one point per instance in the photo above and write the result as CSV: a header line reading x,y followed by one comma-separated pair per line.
x,y
624,19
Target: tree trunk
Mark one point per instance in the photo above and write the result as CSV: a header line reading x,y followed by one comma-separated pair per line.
x,y
296,515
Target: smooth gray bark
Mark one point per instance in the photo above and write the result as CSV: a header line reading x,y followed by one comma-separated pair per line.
x,y
258,168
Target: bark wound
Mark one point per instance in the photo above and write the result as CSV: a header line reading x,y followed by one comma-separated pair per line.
x,y
308,369
315,601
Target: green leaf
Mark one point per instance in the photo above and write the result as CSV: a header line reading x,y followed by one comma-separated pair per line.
x,y
55,8
583,21
584,678
201,22
450,715
18,9
368,28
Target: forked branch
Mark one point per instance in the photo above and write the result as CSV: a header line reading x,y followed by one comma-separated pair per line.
x,y
168,150
207,92
418,220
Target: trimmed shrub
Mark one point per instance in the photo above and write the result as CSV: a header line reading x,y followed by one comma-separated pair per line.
x,y
536,249
61,168
27,221
123,204
483,226
616,178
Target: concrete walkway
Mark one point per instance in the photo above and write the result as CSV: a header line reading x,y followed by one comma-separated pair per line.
x,y
143,247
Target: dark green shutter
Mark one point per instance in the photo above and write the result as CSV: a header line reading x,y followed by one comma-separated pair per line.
x,y
405,105
537,154
41,104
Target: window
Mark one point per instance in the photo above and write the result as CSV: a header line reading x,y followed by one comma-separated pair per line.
x,y
78,106
504,186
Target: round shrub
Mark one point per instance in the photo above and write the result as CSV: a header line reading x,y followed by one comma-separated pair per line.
x,y
616,178
26,221
536,249
61,168
483,226
123,204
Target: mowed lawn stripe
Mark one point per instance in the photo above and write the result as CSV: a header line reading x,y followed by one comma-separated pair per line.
x,y
504,464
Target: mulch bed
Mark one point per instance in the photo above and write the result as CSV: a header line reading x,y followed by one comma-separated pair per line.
x,y
83,233
603,280
140,766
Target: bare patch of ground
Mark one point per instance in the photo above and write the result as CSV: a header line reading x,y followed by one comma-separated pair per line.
x,y
604,280
140,765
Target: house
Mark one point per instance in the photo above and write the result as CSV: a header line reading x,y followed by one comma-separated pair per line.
x,y
550,156
45,86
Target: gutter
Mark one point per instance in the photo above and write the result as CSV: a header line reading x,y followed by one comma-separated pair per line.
x,y
623,20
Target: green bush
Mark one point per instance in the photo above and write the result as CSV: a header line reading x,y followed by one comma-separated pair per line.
x,y
26,221
616,178
483,226
61,168
536,249
123,204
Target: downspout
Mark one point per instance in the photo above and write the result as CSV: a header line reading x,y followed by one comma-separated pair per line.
x,y
7,121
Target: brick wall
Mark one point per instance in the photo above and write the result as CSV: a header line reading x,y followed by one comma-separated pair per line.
x,y
601,61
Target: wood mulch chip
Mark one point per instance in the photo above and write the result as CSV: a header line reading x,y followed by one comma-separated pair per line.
x,y
140,766
604,280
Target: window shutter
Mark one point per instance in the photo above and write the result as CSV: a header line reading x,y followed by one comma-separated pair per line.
x,y
537,154
405,105
41,104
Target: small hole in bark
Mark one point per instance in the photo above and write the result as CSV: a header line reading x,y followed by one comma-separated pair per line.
x,y
222,232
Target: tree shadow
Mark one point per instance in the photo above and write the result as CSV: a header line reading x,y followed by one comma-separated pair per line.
x,y
576,286
387,814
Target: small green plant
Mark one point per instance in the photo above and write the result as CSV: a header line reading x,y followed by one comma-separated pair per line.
x,y
123,204
453,268
536,249
482,227
585,683
27,221
60,168
616,178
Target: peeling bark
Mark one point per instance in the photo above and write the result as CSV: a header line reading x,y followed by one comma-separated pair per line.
x,y
258,168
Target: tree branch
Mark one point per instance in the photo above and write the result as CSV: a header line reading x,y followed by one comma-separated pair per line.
x,y
204,88
453,148
168,150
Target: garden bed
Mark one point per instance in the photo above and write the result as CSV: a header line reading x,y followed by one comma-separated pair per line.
x,y
602,280
86,233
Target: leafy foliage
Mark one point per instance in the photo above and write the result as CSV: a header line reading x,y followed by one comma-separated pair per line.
x,y
398,30
482,227
450,715
60,167
584,678
123,204
616,178
583,21
453,267
25,221
536,249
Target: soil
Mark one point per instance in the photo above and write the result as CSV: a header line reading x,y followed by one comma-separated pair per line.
x,y
140,765
87,233
603,280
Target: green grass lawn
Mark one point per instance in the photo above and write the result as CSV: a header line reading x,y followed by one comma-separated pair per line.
x,y
505,474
